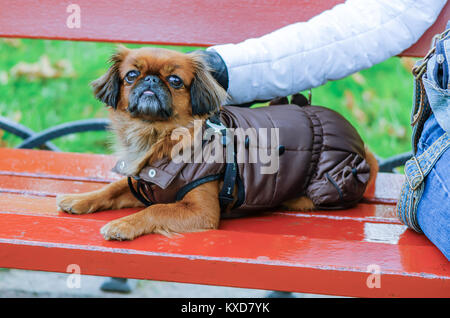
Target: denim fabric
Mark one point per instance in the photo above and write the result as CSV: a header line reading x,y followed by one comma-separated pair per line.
x,y
433,213
436,83
416,171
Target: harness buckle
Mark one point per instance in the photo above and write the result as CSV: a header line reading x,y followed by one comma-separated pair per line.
x,y
219,128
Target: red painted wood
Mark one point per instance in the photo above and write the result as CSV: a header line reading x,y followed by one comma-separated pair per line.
x,y
46,206
198,22
16,203
423,45
183,22
295,261
317,252
233,273
44,186
280,221
48,164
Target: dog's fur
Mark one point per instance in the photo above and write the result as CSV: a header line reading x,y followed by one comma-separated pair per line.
x,y
143,127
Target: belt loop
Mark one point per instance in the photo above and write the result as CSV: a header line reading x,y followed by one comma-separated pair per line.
x,y
415,185
416,170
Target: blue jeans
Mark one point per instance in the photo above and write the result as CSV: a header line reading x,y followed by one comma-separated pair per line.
x,y
433,213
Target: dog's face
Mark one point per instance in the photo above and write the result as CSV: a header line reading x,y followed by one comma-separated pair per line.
x,y
156,84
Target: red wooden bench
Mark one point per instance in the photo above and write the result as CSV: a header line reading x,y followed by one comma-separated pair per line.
x,y
324,252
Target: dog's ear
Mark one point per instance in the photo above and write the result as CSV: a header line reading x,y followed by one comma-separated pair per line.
x,y
107,87
206,94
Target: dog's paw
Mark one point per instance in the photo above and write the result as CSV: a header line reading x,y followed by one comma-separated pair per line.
x,y
120,230
75,203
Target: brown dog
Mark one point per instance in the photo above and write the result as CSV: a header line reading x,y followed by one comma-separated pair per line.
x,y
154,91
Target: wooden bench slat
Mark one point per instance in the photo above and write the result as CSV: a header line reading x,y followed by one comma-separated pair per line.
x,y
19,204
204,22
45,187
230,272
220,257
258,238
45,206
35,205
309,225
58,165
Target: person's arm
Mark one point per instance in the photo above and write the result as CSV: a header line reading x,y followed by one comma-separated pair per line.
x,y
338,42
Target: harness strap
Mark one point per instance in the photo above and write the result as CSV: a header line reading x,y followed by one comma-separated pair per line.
x,y
230,177
416,170
194,184
229,180
231,171
138,192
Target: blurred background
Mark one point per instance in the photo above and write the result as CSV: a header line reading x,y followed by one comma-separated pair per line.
x,y
44,83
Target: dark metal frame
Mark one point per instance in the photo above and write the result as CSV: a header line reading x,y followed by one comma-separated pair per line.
x,y
42,139
389,164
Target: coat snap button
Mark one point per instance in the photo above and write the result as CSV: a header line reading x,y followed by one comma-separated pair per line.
x,y
121,165
152,173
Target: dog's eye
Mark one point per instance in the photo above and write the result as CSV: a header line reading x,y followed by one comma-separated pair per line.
x,y
175,81
131,76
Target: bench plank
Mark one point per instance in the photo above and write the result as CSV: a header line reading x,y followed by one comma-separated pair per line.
x,y
31,205
57,165
323,252
11,202
203,22
45,187
229,257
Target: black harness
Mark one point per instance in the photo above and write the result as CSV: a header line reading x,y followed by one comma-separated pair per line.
x,y
230,176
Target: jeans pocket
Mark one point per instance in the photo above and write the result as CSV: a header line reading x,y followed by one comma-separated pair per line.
x,y
439,100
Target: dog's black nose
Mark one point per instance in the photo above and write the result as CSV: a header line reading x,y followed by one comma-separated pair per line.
x,y
152,79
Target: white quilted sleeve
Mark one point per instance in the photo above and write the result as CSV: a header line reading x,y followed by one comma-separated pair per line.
x,y
350,37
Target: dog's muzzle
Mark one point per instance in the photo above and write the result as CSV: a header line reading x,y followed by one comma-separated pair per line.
x,y
150,97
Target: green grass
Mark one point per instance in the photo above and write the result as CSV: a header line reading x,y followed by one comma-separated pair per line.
x,y
377,101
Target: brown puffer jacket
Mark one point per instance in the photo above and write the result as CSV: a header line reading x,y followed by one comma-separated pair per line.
x,y
321,156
